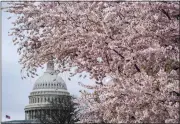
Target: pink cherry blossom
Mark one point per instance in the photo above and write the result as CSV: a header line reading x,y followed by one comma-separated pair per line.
x,y
135,43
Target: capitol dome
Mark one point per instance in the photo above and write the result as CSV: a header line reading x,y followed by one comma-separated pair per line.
x,y
49,81
46,88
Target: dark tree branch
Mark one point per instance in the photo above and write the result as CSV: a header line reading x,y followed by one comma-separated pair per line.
x,y
137,68
166,13
118,53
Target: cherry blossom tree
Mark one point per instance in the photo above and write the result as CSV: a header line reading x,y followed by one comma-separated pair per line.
x,y
138,99
136,43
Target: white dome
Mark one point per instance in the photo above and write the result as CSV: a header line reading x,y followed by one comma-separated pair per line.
x,y
49,81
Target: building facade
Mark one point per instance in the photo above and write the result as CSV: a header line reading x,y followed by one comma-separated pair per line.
x,y
47,87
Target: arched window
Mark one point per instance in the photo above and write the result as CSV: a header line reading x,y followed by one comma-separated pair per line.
x,y
38,100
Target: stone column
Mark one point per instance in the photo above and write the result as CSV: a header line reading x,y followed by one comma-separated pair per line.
x,y
25,115
35,114
29,115
40,113
32,114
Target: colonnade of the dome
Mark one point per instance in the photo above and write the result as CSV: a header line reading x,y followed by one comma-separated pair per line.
x,y
42,99
33,114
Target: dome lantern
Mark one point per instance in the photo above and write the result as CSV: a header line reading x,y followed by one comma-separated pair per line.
x,y
50,66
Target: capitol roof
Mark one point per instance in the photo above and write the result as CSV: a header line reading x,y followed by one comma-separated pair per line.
x,y
50,80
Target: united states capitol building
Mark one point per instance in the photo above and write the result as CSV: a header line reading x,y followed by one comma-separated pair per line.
x,y
46,88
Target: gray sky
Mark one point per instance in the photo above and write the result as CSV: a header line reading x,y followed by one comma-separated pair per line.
x,y
15,91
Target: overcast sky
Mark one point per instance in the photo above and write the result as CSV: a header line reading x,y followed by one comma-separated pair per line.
x,y
15,91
